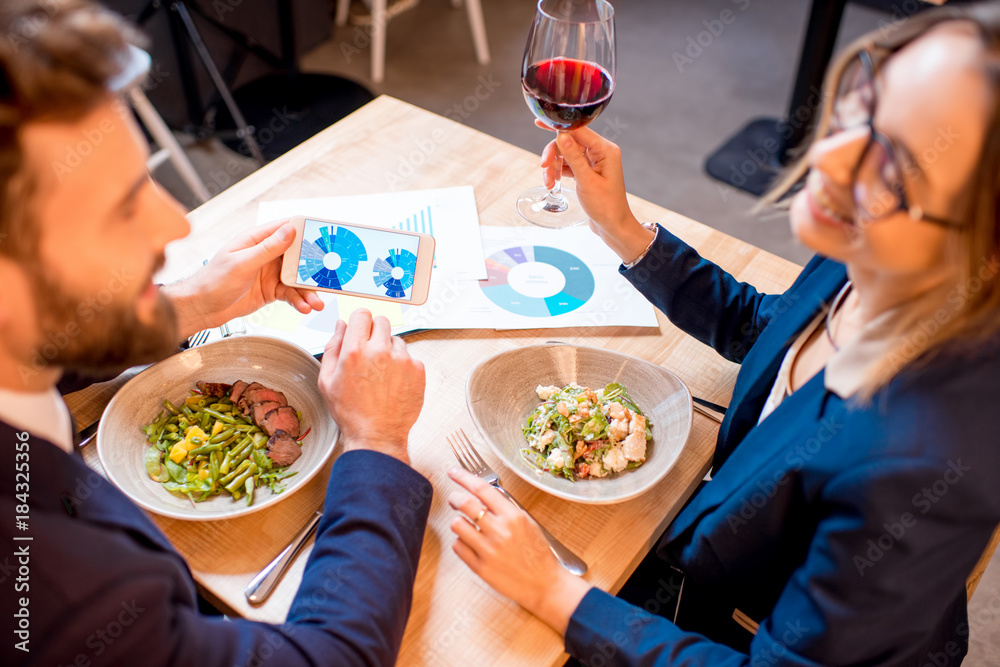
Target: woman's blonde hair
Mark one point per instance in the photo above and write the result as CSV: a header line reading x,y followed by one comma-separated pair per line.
x,y
968,312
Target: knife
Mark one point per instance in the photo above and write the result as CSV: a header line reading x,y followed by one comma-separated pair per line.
x,y
88,434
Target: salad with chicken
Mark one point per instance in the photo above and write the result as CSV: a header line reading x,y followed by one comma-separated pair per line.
x,y
578,433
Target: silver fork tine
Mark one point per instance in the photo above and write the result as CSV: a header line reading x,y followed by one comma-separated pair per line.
x,y
477,464
477,458
458,455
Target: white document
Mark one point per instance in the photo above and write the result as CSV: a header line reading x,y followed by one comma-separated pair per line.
x,y
538,279
447,214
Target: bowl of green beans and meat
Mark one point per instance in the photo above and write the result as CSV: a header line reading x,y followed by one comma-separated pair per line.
x,y
187,455
204,446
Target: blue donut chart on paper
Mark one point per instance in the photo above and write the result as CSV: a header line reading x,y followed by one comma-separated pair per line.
x,y
578,288
314,258
399,258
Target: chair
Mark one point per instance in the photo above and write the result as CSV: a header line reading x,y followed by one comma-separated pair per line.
x,y
980,568
473,7
129,84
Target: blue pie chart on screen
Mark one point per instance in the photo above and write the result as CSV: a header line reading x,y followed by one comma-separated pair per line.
x,y
395,272
332,259
537,281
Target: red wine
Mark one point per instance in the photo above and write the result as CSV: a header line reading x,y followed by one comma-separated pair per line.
x,y
565,93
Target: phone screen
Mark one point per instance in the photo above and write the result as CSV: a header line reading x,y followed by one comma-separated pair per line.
x,y
354,259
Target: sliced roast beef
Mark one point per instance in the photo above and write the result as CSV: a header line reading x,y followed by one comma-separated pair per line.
x,y
238,387
242,403
213,388
260,410
283,449
260,395
281,419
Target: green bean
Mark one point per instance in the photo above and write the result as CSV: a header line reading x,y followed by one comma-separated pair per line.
x,y
249,485
188,412
221,407
206,421
241,479
222,436
219,415
227,461
206,449
213,466
170,406
238,471
243,455
229,457
242,446
171,428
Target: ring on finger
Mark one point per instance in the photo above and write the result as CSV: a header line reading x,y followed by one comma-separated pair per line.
x,y
475,522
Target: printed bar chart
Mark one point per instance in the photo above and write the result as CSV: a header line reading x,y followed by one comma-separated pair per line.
x,y
421,222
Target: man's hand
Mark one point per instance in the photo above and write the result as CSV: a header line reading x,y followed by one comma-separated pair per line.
x,y
242,278
596,164
372,386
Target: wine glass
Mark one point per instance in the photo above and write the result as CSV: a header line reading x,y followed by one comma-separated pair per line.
x,y
568,76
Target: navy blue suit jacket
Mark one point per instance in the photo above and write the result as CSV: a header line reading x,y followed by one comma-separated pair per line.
x,y
103,586
847,531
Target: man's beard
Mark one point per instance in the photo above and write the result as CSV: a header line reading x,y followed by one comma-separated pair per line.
x,y
94,338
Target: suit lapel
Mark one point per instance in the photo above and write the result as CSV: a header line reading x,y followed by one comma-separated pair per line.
x,y
753,384
760,367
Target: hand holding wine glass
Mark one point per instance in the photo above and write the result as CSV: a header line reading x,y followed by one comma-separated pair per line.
x,y
596,164
568,77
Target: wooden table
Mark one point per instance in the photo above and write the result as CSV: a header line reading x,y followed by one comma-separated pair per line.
x,y
456,618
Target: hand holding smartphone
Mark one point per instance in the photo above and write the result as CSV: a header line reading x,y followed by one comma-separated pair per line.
x,y
358,260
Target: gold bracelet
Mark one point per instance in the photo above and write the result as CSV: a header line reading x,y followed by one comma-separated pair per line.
x,y
653,227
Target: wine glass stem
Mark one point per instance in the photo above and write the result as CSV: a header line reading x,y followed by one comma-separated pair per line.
x,y
555,202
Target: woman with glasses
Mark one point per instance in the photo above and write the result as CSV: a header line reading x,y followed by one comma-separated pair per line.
x,y
856,478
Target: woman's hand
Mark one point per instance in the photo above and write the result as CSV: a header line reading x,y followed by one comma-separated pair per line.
x,y
504,546
596,164
241,278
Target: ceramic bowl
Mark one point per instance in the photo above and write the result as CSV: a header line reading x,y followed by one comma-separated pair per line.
x,y
287,368
501,395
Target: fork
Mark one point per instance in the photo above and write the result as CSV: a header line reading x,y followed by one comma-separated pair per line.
x,y
199,338
470,459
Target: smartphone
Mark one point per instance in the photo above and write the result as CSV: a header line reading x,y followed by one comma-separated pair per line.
x,y
358,260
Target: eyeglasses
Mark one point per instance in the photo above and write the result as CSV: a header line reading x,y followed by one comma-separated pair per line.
x,y
880,193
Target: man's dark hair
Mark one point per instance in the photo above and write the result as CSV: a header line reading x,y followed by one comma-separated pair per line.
x,y
56,57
